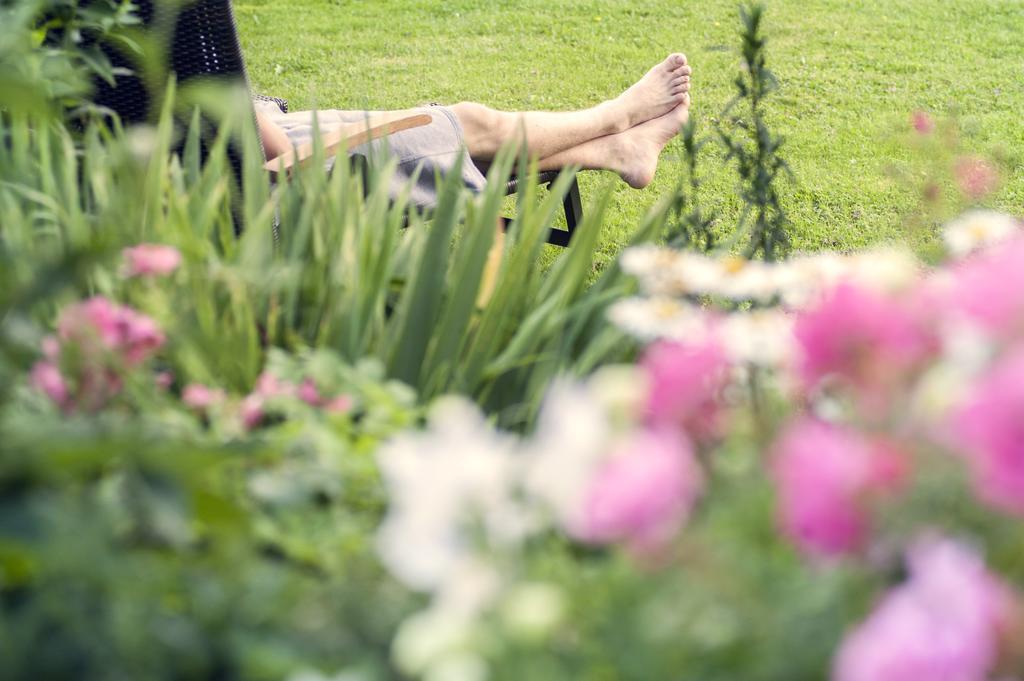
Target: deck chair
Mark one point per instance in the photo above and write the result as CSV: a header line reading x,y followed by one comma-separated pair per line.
x,y
203,47
572,205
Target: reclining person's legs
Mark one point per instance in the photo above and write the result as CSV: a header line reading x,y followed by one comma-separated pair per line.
x,y
624,134
633,154
547,133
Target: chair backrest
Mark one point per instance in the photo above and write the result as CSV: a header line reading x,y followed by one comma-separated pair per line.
x,y
198,40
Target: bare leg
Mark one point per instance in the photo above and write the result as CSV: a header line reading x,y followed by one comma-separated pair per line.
x,y
547,133
632,154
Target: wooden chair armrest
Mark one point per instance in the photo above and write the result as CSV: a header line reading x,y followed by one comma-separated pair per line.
x,y
347,137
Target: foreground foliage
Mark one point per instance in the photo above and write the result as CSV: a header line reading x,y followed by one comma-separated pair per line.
x,y
364,451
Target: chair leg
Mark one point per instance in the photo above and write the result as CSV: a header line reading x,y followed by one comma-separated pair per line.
x,y
573,206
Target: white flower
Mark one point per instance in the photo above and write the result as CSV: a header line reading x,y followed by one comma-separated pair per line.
x,y
533,609
700,273
572,437
621,389
654,268
799,281
457,474
978,229
459,667
426,638
887,270
141,142
650,319
470,587
762,337
741,279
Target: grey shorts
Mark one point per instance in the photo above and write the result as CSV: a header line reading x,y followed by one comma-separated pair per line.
x,y
432,149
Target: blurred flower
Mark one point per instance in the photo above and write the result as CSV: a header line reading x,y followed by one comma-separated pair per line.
x,y
341,404
51,348
459,473
824,475
686,382
200,397
250,411
308,393
975,176
621,391
989,427
643,493
97,325
978,229
164,380
570,441
463,666
743,279
761,337
437,643
46,378
425,639
668,276
97,340
922,122
868,341
531,610
150,260
142,141
943,624
988,289
884,270
270,386
650,319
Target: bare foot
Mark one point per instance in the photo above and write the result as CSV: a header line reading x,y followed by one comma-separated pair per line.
x,y
634,153
658,92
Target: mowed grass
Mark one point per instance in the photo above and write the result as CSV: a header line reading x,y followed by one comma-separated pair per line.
x,y
851,73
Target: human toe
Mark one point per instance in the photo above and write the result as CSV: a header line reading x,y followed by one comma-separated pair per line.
x,y
675,61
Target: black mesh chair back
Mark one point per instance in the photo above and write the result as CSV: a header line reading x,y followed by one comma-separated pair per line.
x,y
196,42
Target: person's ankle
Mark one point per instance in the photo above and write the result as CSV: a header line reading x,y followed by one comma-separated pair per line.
x,y
615,114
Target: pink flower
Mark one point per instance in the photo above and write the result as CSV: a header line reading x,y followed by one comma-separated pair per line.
x,y
164,380
922,122
943,624
150,260
824,475
96,385
251,411
990,430
46,378
643,493
96,341
989,288
341,404
975,176
98,325
200,397
308,393
91,321
868,341
270,386
51,348
685,386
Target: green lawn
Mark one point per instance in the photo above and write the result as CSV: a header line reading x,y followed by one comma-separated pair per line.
x,y
851,73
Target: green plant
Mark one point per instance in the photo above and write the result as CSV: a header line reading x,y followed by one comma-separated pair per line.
x,y
746,139
692,226
756,148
